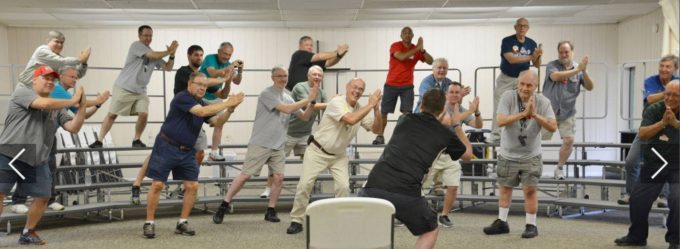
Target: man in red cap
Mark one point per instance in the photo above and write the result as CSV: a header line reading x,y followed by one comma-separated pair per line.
x,y
25,143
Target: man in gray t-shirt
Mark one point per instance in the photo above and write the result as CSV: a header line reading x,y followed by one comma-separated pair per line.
x,y
50,54
562,85
129,90
521,115
32,120
274,107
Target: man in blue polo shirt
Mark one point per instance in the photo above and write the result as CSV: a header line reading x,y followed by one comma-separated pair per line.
x,y
219,66
173,150
517,52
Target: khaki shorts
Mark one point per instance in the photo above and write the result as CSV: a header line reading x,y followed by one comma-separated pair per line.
x,y
511,173
450,171
215,101
297,144
566,128
201,141
126,103
257,156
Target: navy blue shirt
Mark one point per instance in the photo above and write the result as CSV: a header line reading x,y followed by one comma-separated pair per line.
x,y
511,44
416,142
181,125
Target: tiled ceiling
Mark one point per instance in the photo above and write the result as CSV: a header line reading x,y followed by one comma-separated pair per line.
x,y
312,13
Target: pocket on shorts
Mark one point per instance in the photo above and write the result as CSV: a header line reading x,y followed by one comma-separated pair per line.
x,y
536,166
502,169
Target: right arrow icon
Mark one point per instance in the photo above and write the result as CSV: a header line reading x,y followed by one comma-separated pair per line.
x,y
662,166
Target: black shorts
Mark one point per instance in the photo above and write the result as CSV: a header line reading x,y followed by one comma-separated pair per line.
x,y
390,95
414,212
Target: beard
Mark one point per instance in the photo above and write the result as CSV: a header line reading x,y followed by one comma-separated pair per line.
x,y
565,61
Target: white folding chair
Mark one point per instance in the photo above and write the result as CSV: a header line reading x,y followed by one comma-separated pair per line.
x,y
350,222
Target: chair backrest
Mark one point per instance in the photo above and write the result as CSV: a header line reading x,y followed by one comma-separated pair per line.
x,y
350,222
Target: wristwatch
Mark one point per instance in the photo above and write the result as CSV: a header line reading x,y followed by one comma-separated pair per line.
x,y
313,102
477,114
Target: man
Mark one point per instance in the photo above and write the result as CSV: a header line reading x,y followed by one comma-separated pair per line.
x,y
659,129
129,89
653,92
298,129
173,149
304,58
399,83
32,120
443,168
274,108
50,55
521,114
339,125
219,66
438,79
517,51
562,86
195,57
397,175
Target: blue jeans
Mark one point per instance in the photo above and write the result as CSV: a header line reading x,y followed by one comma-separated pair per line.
x,y
633,163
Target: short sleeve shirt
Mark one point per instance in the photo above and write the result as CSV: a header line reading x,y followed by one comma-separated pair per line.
x,y
334,135
665,142
512,45
60,93
562,94
181,125
428,83
400,73
653,85
300,63
25,125
212,61
269,129
511,147
298,127
138,68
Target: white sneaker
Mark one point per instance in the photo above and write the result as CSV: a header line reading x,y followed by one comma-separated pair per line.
x,y
489,171
215,156
19,208
559,173
56,206
266,193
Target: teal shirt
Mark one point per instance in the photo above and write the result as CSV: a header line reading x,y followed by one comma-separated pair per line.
x,y
298,127
60,93
211,61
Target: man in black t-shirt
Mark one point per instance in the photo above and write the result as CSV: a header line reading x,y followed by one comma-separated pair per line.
x,y
418,139
305,58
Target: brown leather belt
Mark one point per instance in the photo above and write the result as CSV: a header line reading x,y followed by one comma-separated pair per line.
x,y
311,140
173,143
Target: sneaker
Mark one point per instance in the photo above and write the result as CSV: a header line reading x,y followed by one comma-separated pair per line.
x,y
149,230
56,206
183,228
219,215
624,201
270,215
625,241
439,192
497,227
135,195
215,156
559,173
445,221
266,193
530,231
138,144
31,238
294,228
398,223
661,202
379,140
96,144
19,208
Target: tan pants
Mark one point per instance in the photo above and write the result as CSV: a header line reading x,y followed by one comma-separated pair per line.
x,y
314,163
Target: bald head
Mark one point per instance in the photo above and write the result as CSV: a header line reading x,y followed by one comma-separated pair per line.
x,y
354,89
672,95
529,76
527,83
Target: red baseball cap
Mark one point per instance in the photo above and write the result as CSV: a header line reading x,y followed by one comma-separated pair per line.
x,y
45,70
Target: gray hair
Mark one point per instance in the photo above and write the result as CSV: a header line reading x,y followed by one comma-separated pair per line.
x,y
529,72
278,67
314,68
225,44
670,57
520,19
439,61
53,34
195,75
64,69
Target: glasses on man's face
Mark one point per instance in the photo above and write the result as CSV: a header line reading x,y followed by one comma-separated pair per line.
x,y
47,78
523,26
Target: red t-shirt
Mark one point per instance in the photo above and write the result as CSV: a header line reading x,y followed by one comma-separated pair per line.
x,y
401,72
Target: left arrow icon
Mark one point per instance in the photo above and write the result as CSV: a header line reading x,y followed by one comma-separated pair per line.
x,y
15,169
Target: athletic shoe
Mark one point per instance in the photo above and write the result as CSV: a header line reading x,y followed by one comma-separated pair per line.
x,y
96,144
625,241
219,215
138,144
56,206
183,228
19,208
31,238
149,230
530,231
266,193
497,227
624,201
558,173
270,215
379,140
294,228
445,221
135,195
215,156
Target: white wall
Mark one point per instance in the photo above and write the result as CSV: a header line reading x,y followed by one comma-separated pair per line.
x,y
466,47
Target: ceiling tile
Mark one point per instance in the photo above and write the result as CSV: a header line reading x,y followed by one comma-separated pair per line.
x,y
485,3
306,15
151,4
94,4
243,15
237,4
566,2
277,24
319,4
381,4
394,14
543,11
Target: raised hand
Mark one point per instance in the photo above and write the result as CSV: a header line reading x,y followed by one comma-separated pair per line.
x,y
173,47
75,99
235,99
474,105
343,48
466,91
420,44
375,97
103,97
85,55
584,64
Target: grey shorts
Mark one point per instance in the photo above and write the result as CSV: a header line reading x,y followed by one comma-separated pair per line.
x,y
126,103
257,156
37,182
566,128
296,144
511,173
201,141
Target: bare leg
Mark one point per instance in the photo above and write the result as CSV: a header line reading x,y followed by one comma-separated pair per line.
x,y
36,212
106,125
236,186
190,189
216,138
530,201
141,124
449,199
152,199
199,157
565,150
427,240
276,189
142,172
